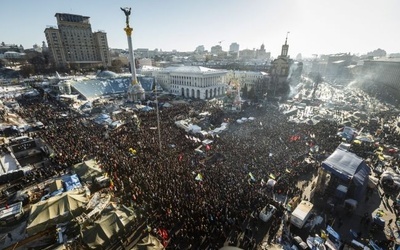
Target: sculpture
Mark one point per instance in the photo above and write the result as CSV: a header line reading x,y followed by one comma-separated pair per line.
x,y
127,12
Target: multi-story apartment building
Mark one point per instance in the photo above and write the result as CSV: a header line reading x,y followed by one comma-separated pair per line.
x,y
74,43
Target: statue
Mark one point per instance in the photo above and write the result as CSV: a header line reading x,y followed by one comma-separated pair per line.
x,y
127,12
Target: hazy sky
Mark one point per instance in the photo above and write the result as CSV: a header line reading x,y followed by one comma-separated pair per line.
x,y
315,26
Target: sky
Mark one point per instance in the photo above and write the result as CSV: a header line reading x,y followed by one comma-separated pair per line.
x,y
314,26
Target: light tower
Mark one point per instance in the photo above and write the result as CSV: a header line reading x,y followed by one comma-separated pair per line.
x,y
135,90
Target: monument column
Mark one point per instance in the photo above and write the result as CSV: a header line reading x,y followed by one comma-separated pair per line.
x,y
135,89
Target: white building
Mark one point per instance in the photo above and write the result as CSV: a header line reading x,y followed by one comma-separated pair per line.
x,y
192,81
248,78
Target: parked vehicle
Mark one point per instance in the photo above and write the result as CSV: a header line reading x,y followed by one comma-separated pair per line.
x,y
301,214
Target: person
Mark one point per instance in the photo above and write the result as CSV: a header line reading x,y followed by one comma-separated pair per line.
x,y
10,236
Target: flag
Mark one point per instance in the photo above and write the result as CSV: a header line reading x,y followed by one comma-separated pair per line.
x,y
272,176
199,177
163,233
132,151
252,177
287,170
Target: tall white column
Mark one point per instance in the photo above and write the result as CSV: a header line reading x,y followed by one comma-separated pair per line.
x,y
135,90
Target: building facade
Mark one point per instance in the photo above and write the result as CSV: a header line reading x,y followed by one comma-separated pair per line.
x,y
192,81
234,50
74,43
385,70
337,66
280,66
246,78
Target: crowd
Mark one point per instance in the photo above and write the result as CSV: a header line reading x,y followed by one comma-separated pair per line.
x,y
192,212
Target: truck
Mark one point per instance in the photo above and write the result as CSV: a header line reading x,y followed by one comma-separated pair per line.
x,y
301,213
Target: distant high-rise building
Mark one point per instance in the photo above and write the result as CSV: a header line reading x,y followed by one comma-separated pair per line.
x,y
200,49
234,50
217,49
73,42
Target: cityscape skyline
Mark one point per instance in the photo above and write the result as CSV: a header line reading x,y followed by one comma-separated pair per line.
x,y
315,27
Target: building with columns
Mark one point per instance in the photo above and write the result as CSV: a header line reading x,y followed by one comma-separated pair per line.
x,y
192,81
74,43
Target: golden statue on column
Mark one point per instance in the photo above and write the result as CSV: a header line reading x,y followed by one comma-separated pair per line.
x,y
135,90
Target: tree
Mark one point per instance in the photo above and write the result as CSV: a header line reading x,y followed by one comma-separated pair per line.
x,y
27,70
38,63
245,91
116,66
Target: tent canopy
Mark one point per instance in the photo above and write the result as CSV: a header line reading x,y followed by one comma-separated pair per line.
x,y
87,170
102,231
347,166
149,242
57,209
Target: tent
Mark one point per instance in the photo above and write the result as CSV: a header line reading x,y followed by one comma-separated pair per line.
x,y
71,182
149,242
55,210
106,227
350,169
87,170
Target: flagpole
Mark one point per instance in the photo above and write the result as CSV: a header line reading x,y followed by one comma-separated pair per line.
x,y
158,121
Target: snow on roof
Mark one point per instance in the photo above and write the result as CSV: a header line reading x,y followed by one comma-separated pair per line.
x,y
190,69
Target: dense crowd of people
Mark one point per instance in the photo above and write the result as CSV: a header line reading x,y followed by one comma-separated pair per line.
x,y
197,199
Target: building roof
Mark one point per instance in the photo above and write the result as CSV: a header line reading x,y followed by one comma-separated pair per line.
x,y
190,69
385,59
106,74
347,165
95,88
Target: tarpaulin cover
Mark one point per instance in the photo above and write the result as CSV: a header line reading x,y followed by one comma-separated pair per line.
x,y
71,182
88,170
149,242
57,209
349,168
105,228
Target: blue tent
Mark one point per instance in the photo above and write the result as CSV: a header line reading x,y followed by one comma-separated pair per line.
x,y
349,168
71,182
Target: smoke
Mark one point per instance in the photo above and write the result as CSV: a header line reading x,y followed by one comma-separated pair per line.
x,y
293,67
294,90
376,80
